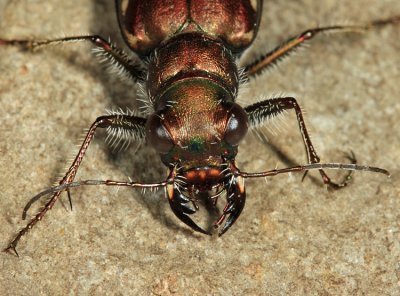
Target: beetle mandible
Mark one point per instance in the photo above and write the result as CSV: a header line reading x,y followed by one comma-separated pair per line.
x,y
192,81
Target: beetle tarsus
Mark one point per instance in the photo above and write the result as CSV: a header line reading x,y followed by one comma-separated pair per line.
x,y
346,179
69,199
10,249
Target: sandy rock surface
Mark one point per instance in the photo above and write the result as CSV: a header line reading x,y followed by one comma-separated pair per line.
x,y
293,238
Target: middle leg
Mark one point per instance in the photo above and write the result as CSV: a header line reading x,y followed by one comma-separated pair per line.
x,y
271,58
118,58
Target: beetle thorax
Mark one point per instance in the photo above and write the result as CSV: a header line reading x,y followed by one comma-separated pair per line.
x,y
193,82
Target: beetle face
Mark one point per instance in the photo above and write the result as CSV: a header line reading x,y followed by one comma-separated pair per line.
x,y
217,125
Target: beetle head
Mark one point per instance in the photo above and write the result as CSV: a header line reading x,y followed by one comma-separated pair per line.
x,y
198,126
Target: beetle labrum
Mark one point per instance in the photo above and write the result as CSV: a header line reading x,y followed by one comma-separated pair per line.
x,y
192,82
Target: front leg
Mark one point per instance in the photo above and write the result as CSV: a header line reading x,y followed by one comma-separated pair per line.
x,y
134,125
259,112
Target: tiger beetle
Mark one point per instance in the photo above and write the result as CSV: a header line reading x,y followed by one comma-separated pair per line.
x,y
187,53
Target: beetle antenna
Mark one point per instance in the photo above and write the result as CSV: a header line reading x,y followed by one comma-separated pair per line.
x,y
67,186
316,166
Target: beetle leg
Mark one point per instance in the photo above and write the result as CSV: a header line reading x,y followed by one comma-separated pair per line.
x,y
236,198
132,123
286,48
118,57
178,201
260,112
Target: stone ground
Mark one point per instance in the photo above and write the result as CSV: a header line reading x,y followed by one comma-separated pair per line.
x,y
293,237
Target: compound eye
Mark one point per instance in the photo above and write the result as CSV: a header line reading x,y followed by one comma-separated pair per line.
x,y
157,134
237,125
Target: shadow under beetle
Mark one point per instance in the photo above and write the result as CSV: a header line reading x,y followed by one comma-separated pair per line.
x,y
192,81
